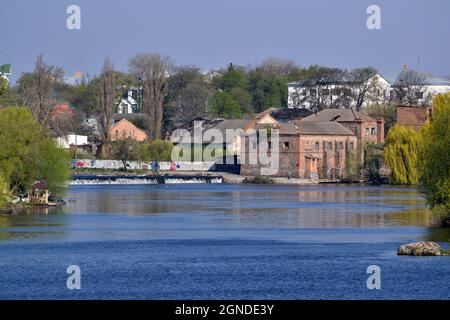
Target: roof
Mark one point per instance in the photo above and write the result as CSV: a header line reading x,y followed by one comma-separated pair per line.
x,y
340,115
130,125
120,116
285,114
228,124
218,124
323,128
413,116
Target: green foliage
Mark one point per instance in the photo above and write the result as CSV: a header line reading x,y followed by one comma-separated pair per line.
x,y
401,154
126,149
373,161
435,164
27,154
385,111
353,167
233,78
224,106
4,191
53,164
244,99
3,86
157,150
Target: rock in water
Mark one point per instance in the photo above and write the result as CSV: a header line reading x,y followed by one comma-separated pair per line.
x,y
420,249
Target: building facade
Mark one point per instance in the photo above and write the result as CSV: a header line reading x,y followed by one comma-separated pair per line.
x,y
124,129
413,116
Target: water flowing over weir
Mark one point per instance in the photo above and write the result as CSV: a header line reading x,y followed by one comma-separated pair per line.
x,y
97,180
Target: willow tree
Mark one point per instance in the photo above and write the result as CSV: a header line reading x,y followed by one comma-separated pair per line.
x,y
435,165
401,154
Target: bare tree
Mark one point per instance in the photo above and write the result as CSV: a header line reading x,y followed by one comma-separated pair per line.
x,y
107,96
278,66
409,88
323,88
365,85
192,102
37,89
151,70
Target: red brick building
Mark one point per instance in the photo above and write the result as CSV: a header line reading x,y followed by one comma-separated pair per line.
x,y
125,129
413,116
365,128
309,150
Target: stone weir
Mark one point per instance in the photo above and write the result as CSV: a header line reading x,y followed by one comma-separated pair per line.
x,y
178,179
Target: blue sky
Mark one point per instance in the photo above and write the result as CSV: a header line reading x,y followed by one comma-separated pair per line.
x,y
213,33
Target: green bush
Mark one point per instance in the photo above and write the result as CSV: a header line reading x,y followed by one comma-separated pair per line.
x,y
28,154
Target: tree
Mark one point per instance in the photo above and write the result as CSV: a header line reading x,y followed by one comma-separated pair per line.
x,y
318,85
409,88
4,191
280,67
362,79
243,99
387,111
107,100
37,89
233,78
27,154
126,149
401,154
224,106
53,164
192,102
3,86
435,157
188,96
151,70
157,150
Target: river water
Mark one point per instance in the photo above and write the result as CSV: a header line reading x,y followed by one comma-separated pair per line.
x,y
222,241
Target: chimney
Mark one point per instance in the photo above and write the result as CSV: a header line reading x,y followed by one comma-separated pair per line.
x,y
380,130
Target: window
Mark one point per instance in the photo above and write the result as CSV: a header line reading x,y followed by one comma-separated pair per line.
x,y
351,146
341,145
313,92
419,95
269,145
347,92
330,145
286,146
373,131
367,131
325,92
317,145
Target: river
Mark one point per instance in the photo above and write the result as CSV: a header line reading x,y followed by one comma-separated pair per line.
x,y
223,241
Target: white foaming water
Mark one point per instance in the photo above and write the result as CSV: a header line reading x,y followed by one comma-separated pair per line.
x,y
112,181
191,180
166,180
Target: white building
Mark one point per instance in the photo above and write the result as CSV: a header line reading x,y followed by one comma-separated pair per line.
x,y
72,140
375,90
5,71
128,103
335,94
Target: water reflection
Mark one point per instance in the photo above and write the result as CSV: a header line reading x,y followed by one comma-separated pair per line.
x,y
126,209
